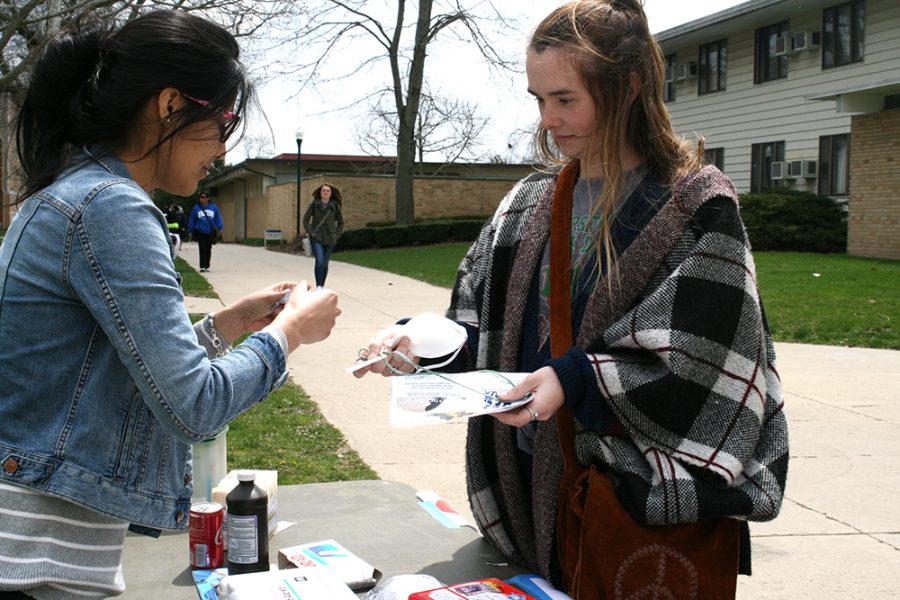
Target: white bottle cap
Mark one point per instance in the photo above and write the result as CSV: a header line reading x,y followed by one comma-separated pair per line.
x,y
246,476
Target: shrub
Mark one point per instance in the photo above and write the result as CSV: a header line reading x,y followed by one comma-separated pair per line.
x,y
389,237
356,239
789,220
466,231
433,231
428,233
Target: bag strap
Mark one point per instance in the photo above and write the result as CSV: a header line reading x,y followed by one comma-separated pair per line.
x,y
321,222
561,295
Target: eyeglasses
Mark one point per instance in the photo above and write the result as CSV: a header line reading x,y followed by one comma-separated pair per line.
x,y
229,120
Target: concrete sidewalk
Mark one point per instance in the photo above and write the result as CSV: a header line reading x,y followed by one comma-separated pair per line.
x,y
838,536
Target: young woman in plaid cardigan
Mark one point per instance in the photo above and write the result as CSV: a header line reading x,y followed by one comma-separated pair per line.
x,y
672,377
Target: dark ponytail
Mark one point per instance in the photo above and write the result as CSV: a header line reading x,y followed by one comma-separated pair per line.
x,y
91,83
51,112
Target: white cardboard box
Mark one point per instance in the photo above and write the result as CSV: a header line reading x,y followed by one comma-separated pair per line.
x,y
267,480
351,569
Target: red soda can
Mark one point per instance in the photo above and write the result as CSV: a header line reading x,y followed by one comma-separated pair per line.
x,y
207,520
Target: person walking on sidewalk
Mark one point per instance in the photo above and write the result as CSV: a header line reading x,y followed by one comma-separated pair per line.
x,y
620,278
204,225
324,223
105,382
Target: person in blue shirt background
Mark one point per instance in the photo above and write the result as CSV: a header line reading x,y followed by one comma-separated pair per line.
x,y
204,226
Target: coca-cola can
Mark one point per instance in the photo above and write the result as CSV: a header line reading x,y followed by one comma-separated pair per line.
x,y
207,522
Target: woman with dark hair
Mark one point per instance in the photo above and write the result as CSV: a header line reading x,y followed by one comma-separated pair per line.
x,y
324,223
620,278
105,381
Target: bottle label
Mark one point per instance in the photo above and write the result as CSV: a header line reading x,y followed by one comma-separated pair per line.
x,y
242,540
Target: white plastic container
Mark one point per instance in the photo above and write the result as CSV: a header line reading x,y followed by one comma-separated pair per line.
x,y
209,465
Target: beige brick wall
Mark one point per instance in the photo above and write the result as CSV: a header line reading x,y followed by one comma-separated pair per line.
x,y
279,212
874,209
369,199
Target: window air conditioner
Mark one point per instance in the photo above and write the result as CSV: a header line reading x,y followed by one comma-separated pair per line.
x,y
781,45
670,73
777,170
801,169
808,170
805,40
687,70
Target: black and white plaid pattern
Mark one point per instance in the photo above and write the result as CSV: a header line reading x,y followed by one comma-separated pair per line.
x,y
680,350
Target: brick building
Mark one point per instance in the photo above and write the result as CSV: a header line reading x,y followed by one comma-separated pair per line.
x,y
874,209
260,194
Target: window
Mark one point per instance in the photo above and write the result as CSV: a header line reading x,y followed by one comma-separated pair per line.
x,y
671,73
714,156
771,60
843,34
712,66
762,157
834,165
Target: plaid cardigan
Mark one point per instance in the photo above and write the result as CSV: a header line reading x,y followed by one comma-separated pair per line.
x,y
679,349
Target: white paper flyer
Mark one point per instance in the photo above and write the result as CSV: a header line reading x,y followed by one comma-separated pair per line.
x,y
427,398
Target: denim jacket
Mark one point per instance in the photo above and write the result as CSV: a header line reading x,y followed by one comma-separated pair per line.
x,y
103,384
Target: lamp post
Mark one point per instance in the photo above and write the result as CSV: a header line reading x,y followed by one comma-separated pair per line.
x,y
299,136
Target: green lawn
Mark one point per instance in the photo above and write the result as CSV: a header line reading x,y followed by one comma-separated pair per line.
x,y
831,299
286,432
810,298
192,282
432,264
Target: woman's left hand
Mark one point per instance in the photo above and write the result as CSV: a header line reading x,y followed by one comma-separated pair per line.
x,y
548,398
252,312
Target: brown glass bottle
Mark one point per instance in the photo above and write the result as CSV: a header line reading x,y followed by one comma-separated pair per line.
x,y
248,529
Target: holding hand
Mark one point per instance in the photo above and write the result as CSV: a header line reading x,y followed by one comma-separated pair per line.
x,y
389,339
397,349
252,312
308,316
548,398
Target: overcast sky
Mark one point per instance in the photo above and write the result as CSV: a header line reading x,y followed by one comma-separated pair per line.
x,y
506,103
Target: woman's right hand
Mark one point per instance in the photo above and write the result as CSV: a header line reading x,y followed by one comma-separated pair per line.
x,y
308,316
389,339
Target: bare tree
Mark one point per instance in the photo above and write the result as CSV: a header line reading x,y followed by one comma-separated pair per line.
x,y
337,25
25,25
257,145
445,127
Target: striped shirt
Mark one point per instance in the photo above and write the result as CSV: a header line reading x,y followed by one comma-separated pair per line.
x,y
53,549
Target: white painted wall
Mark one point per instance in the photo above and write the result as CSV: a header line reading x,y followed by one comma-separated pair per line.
x,y
746,113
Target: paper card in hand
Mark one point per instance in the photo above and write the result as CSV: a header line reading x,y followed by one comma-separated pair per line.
x,y
445,397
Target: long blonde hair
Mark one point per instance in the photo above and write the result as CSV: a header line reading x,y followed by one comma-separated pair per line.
x,y
608,41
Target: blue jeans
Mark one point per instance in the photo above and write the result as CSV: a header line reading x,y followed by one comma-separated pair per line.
x,y
322,253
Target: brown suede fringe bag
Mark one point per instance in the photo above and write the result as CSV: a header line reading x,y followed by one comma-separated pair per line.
x,y
602,551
